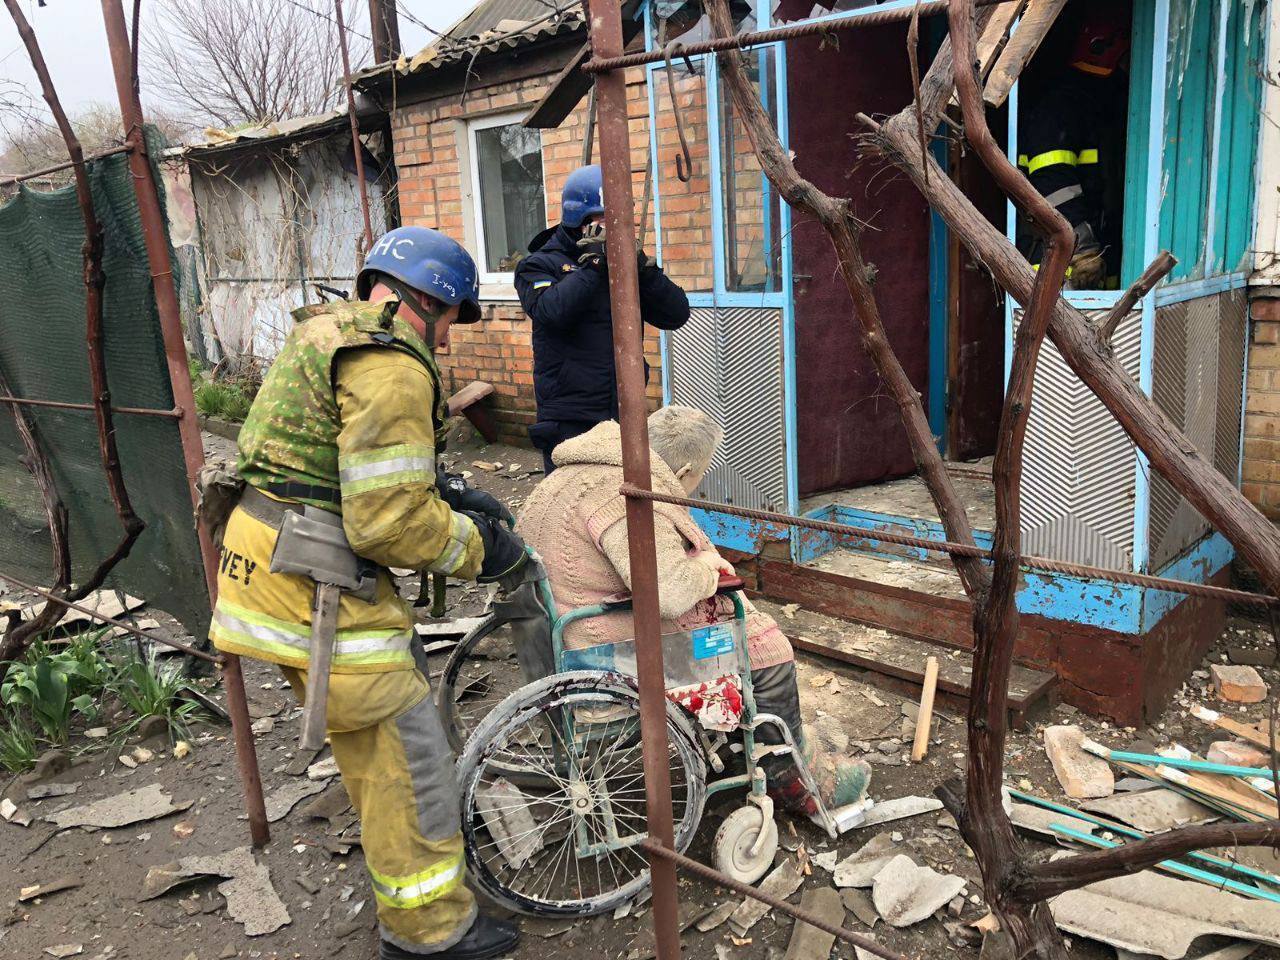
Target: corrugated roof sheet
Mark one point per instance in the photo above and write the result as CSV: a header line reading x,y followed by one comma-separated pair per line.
x,y
492,26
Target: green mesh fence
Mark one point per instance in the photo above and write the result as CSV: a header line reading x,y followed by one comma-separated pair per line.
x,y
43,355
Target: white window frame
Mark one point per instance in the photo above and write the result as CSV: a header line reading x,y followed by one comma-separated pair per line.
x,y
477,209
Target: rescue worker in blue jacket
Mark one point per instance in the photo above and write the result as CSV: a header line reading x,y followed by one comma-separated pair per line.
x,y
564,288
1071,143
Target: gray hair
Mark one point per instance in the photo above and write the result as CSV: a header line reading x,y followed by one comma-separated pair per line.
x,y
684,435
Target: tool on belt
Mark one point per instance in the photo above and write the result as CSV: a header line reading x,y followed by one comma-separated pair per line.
x,y
311,543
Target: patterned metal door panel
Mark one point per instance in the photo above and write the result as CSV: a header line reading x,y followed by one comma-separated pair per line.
x,y
728,362
1199,363
1078,482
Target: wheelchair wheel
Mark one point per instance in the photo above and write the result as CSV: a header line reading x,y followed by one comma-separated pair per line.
x,y
480,673
737,837
562,841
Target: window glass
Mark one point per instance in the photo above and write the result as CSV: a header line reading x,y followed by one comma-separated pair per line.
x,y
684,20
789,11
509,190
750,235
685,207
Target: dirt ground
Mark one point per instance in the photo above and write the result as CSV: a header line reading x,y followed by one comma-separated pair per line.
x,y
322,881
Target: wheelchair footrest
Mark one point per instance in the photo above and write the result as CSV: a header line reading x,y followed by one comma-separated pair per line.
x,y
849,816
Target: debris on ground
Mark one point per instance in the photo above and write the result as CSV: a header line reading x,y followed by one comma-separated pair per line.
x,y
251,898
1083,777
807,941
1236,754
11,813
859,869
905,893
858,902
898,809
1238,684
1152,810
49,887
508,814
324,770
1153,914
287,796
132,806
781,883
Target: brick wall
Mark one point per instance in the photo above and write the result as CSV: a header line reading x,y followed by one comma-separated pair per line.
x,y
1262,409
432,193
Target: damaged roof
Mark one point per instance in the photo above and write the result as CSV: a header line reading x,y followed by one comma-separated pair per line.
x,y
493,26
282,131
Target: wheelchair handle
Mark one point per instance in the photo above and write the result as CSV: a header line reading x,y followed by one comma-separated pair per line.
x,y
729,584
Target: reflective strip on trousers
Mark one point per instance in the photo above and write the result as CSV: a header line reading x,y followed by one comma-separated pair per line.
x,y
417,889
386,467
1059,197
454,553
291,640
1052,158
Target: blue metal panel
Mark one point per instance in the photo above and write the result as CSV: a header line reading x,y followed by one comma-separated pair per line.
x,y
790,413
1212,258
1197,565
1194,289
1010,225
1150,247
736,533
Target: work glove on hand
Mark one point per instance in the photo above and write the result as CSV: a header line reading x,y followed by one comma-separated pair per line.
x,y
591,250
504,551
461,496
1088,268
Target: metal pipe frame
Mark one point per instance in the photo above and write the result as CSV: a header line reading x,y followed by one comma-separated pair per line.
x,y
605,26
1033,563
65,165
754,38
157,245
176,413
356,145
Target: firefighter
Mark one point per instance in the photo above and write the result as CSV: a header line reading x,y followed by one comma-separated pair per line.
x,y
564,288
344,432
1071,146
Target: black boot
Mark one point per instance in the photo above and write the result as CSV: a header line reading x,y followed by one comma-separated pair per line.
x,y
488,937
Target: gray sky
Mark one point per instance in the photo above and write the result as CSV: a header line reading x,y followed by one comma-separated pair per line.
x,y
75,46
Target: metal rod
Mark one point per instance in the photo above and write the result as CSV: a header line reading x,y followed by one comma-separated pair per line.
x,y
176,412
94,615
756,38
1177,763
655,849
1033,563
157,244
356,145
8,178
605,24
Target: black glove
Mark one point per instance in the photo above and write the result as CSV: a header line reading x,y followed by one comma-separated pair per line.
x,y
591,250
460,496
504,552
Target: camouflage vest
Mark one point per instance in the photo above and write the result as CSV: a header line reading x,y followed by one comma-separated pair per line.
x,y
291,434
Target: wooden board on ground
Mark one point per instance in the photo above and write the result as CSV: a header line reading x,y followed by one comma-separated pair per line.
x,y
903,659
1036,21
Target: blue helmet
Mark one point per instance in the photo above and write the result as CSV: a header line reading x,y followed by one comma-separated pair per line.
x,y
583,196
427,261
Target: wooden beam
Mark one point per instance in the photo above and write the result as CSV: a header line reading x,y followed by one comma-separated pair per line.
x,y
1039,16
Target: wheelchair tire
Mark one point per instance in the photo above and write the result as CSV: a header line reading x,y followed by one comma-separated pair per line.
x,y
459,723
524,852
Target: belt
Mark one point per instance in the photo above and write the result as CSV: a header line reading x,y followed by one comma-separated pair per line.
x,y
271,511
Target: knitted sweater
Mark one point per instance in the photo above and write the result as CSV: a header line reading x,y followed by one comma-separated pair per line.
x,y
576,521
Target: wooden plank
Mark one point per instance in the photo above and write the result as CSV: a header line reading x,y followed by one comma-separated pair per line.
x,y
924,717
1022,46
993,37
903,659
1257,735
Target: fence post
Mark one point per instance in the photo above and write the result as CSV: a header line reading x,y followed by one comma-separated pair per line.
x,y
154,235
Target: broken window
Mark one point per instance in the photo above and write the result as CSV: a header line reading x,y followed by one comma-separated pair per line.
x,y
507,189
750,233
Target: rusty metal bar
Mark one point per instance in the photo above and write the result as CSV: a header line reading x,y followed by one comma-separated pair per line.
x,y
157,244
8,178
356,146
866,944
756,38
176,412
94,615
605,24
1043,564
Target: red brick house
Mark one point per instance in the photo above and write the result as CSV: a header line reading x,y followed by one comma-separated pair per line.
x,y
468,166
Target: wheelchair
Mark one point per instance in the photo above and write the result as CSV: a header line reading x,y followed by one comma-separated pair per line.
x,y
551,776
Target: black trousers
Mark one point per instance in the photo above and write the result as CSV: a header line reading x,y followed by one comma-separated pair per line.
x,y
546,435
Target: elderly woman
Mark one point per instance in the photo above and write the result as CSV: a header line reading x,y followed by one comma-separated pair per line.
x,y
576,520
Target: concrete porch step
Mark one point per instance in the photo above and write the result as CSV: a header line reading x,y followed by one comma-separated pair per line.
x,y
896,662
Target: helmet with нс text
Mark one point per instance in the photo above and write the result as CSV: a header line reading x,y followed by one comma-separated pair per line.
x,y
429,262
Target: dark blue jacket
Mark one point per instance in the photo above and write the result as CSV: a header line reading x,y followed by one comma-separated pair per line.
x,y
573,372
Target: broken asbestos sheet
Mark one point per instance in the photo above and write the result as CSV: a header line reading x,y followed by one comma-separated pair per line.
x,y
251,899
1152,914
904,893
132,806
1151,811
